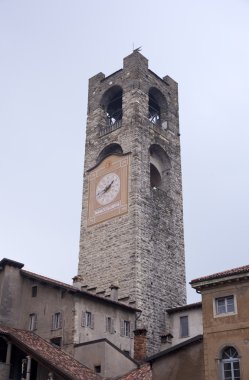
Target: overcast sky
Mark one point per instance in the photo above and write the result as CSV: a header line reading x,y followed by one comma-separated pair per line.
x,y
49,49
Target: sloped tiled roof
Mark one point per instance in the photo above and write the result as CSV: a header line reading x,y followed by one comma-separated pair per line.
x,y
44,352
71,288
223,275
195,305
142,373
175,348
74,289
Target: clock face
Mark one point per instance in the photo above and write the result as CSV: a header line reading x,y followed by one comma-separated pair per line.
x,y
107,188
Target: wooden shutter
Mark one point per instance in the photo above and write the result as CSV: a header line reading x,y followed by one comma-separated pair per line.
x,y
106,324
35,321
112,326
83,319
132,328
121,327
53,321
92,321
60,321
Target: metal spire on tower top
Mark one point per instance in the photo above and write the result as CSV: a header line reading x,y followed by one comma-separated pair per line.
x,y
137,49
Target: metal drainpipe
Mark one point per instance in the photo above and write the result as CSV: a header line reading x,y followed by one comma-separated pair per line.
x,y
28,367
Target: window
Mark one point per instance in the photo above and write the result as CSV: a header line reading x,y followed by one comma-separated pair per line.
x,y
224,305
56,341
184,327
110,325
56,321
87,319
230,364
157,108
159,168
34,291
97,368
125,328
32,322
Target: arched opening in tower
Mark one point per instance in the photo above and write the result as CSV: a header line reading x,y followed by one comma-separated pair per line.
x,y
111,102
108,150
155,177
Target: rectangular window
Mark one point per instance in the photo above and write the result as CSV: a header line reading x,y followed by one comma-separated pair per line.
x,y
34,291
56,341
110,325
87,319
32,322
97,368
184,327
127,328
56,321
224,305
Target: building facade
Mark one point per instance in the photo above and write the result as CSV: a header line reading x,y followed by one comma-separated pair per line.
x,y
225,300
132,218
72,319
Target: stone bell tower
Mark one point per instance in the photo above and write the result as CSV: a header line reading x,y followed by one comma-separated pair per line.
x,y
132,218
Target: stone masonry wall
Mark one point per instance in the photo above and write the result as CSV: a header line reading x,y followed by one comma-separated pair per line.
x,y
143,250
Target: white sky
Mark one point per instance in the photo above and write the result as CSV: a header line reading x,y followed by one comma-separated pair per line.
x,y
49,49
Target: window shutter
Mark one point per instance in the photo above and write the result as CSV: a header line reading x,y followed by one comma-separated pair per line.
x,y
112,326
83,320
60,321
121,327
92,321
35,321
106,324
132,328
53,321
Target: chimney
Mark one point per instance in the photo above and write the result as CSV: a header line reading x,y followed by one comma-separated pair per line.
x,y
140,344
77,281
114,292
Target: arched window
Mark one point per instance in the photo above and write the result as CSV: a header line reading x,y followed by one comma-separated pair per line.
x,y
159,167
157,108
108,150
111,102
230,364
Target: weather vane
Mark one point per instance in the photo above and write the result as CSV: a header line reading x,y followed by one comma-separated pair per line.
x,y
137,49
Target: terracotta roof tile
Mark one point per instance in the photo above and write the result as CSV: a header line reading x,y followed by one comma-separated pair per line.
x,y
142,373
227,273
43,351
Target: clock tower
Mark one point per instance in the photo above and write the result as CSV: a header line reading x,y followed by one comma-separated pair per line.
x,y
132,218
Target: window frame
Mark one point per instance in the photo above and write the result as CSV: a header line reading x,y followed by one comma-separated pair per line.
x,y
34,289
127,328
226,312
32,322
87,319
229,364
57,321
110,325
183,326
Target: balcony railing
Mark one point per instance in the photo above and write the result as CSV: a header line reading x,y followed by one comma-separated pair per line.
x,y
105,129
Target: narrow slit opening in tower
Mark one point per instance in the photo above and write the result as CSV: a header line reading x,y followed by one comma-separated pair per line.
x,y
155,177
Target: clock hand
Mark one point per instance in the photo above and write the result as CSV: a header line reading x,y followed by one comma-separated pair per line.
x,y
105,189
108,187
